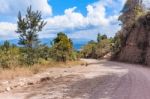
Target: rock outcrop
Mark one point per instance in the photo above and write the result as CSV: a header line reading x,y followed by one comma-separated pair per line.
x,y
137,44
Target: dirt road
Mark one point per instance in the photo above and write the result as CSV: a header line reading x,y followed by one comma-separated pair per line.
x,y
99,80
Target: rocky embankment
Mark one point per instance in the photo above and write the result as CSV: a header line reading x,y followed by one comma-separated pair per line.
x,y
137,45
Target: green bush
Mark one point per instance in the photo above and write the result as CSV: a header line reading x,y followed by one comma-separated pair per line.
x,y
62,48
88,51
9,55
96,49
28,56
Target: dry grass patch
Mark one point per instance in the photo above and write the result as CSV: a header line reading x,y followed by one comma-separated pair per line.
x,y
25,71
14,73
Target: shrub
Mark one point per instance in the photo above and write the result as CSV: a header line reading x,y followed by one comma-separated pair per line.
x,y
28,56
62,48
8,55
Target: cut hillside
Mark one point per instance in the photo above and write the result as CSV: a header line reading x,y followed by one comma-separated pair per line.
x,y
136,48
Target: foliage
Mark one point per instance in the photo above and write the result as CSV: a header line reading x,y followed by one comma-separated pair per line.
x,y
62,48
88,51
9,55
30,51
103,48
116,45
44,52
101,37
28,56
98,37
131,11
96,49
28,27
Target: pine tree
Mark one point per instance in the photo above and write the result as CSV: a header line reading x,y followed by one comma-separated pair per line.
x,y
98,37
28,28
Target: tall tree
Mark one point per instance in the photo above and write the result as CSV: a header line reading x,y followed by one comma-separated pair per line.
x,y
98,37
29,26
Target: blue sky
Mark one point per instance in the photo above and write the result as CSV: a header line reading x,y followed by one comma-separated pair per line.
x,y
79,19
58,8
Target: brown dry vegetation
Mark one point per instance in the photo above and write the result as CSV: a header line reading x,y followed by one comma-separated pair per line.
x,y
24,71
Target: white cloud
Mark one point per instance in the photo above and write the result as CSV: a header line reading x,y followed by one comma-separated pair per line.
x,y
97,14
91,34
72,21
7,31
96,17
11,7
7,26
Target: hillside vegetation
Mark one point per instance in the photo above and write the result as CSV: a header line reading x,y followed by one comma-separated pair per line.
x,y
132,41
31,55
97,49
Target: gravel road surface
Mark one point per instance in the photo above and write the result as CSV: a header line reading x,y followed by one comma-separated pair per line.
x,y
98,80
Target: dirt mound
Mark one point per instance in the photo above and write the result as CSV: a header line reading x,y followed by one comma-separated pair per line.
x,y
137,44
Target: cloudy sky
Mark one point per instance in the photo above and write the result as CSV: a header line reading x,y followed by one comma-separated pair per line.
x,y
80,19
